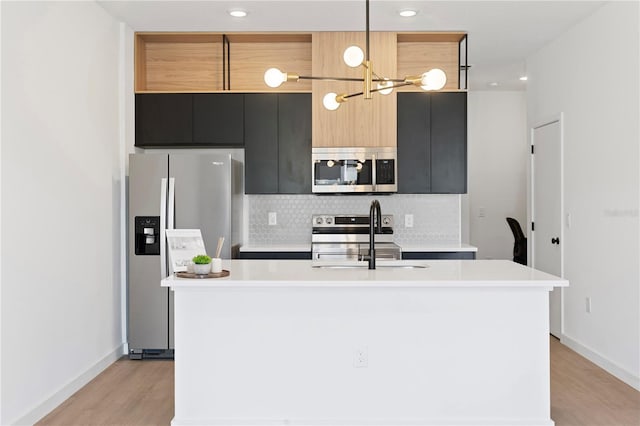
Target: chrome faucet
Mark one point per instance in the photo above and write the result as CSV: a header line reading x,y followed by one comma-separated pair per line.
x,y
374,212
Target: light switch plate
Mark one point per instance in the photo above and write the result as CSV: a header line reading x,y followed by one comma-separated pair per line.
x,y
408,221
273,218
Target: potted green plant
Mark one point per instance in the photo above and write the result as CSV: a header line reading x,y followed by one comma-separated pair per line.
x,y
201,264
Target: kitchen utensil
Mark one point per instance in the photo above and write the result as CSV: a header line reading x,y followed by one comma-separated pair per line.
x,y
219,248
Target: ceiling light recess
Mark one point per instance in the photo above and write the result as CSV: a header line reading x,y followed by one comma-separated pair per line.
x,y
407,13
238,13
434,79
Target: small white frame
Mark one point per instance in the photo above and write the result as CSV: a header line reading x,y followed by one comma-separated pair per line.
x,y
183,245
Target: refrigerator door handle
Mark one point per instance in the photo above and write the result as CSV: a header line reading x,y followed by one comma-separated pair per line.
x,y
172,205
163,221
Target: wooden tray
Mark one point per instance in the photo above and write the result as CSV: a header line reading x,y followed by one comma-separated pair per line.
x,y
224,273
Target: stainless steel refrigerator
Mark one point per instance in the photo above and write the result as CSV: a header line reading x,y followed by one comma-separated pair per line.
x,y
166,191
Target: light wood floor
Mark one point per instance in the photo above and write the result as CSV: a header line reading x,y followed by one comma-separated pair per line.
x,y
141,393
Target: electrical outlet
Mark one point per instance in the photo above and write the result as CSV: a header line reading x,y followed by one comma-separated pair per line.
x,y
273,218
360,358
408,221
588,305
482,212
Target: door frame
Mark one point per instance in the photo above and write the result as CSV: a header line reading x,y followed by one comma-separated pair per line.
x,y
559,118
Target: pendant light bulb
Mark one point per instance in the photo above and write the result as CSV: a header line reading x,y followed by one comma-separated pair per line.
x,y
353,56
385,87
434,79
274,77
330,102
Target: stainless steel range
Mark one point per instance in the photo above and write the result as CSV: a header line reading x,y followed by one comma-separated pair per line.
x,y
346,237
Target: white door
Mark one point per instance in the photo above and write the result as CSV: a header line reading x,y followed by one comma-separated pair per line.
x,y
546,215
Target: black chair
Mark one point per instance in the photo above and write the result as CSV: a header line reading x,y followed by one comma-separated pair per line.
x,y
520,245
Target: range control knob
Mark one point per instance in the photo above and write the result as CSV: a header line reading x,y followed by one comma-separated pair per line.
x,y
329,220
386,221
319,220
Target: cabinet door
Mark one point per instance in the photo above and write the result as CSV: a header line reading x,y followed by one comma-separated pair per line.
x,y
358,122
164,119
449,143
294,143
218,119
414,150
261,143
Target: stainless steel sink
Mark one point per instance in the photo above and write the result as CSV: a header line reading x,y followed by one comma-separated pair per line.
x,y
364,265
403,266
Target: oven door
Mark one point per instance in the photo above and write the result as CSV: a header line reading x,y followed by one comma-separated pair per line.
x,y
335,251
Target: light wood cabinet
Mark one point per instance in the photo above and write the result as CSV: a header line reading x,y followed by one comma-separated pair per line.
x,y
358,122
252,54
178,62
420,52
213,62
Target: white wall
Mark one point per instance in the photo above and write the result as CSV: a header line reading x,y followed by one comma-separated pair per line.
x,y
496,154
61,290
591,75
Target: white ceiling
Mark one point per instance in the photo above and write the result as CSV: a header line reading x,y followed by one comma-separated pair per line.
x,y
501,33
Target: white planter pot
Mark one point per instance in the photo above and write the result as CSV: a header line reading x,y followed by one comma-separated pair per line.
x,y
202,269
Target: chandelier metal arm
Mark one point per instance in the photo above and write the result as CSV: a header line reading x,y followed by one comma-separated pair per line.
x,y
402,84
309,77
353,95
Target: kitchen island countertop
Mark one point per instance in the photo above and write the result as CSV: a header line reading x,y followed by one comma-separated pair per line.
x,y
407,273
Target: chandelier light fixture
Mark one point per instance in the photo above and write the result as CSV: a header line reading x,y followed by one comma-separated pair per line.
x,y
354,57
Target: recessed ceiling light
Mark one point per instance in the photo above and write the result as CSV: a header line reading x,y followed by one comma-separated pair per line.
x,y
408,13
523,78
493,84
237,13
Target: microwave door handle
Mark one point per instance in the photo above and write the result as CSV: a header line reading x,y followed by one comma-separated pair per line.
x,y
373,171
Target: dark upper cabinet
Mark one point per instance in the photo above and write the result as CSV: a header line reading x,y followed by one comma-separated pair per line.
x,y
261,143
432,143
218,119
449,143
294,143
185,120
414,148
163,119
277,143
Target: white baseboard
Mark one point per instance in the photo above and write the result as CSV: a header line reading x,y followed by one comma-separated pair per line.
x,y
69,389
364,422
602,362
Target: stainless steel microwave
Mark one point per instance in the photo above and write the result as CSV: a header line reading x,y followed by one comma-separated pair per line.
x,y
354,170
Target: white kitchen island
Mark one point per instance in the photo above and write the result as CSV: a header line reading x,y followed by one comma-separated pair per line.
x,y
460,342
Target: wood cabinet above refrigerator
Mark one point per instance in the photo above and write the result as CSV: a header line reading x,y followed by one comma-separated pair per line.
x,y
213,62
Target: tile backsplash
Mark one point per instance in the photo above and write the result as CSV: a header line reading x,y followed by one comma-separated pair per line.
x,y
436,218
